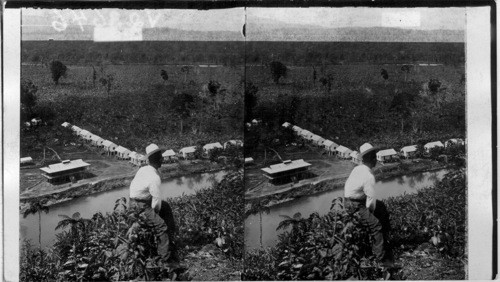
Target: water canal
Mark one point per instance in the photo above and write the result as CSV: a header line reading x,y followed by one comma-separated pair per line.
x,y
104,202
321,203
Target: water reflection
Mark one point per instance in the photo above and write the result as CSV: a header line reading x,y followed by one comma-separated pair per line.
x,y
321,203
104,202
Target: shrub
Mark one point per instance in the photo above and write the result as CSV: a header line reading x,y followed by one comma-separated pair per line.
x,y
58,70
117,246
432,214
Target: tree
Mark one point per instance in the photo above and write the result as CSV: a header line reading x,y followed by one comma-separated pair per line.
x,y
28,97
406,69
278,70
58,70
213,87
76,224
107,82
94,76
434,85
294,221
37,207
384,74
185,70
250,99
183,105
401,106
164,75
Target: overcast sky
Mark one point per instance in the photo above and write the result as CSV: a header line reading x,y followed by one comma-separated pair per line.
x,y
233,19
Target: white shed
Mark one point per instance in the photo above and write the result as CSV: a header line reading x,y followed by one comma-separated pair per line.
x,y
237,143
26,161
355,157
296,129
408,151
76,129
454,141
209,147
431,145
249,161
386,155
122,153
109,147
306,134
65,124
187,152
343,152
286,124
318,140
96,140
168,154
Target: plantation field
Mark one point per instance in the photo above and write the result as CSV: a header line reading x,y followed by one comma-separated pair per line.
x,y
354,104
140,106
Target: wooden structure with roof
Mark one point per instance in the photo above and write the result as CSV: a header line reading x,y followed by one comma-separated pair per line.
x,y
286,171
65,171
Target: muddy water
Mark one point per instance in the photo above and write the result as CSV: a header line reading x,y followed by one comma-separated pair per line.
x,y
104,202
321,203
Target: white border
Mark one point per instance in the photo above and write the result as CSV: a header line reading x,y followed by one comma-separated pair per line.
x,y
479,165
478,135
11,130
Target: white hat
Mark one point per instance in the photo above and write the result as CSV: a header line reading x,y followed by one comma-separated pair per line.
x,y
365,150
151,149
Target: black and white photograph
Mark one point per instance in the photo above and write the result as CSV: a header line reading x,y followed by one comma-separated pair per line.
x,y
131,145
248,141
355,144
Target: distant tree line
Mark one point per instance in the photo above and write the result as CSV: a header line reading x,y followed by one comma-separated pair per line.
x,y
232,53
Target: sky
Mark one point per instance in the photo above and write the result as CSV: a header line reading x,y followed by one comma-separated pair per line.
x,y
118,25
232,19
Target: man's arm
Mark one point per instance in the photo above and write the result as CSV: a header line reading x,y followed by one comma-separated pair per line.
x,y
154,190
369,189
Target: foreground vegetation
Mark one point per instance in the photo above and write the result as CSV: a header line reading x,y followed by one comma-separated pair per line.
x,y
116,246
336,246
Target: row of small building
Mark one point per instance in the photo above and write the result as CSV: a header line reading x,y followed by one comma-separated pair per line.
x,y
136,158
345,153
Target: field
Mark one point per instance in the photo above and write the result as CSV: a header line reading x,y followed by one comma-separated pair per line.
x,y
139,108
360,106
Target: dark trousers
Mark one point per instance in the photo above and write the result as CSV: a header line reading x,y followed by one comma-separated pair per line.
x,y
162,223
379,225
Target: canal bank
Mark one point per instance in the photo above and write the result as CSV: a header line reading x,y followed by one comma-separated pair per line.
x,y
286,194
104,202
263,225
69,192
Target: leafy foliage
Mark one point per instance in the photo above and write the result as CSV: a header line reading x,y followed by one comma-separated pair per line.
x,y
278,70
435,214
28,98
213,214
119,246
337,247
58,70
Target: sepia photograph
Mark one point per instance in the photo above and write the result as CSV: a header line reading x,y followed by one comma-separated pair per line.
x,y
355,137
131,145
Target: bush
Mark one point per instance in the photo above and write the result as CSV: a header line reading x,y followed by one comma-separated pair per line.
x,y
116,246
432,214
58,70
214,215
329,247
332,247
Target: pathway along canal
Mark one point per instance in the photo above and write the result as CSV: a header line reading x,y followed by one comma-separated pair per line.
x,y
104,202
321,203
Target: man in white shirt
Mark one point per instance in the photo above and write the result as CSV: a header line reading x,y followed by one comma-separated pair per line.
x,y
360,197
145,195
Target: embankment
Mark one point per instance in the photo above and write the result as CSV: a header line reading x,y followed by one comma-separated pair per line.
x,y
265,201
